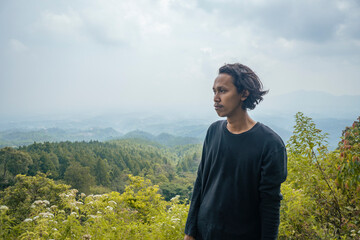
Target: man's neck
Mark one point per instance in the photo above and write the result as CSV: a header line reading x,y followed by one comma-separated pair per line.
x,y
239,123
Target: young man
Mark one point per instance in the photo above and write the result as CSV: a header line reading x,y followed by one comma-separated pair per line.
x,y
237,191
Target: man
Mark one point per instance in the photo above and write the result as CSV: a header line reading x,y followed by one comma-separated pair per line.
x,y
237,191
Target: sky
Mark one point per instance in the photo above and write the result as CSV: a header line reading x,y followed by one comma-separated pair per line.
x,y
97,56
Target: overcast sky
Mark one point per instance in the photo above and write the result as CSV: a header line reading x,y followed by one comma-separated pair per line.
x,y
95,55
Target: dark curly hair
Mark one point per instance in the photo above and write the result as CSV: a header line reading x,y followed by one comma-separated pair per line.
x,y
245,79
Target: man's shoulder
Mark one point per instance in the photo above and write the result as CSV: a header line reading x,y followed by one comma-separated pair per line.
x,y
269,135
217,124
215,127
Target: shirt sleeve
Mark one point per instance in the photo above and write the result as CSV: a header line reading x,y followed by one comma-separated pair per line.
x,y
273,173
191,223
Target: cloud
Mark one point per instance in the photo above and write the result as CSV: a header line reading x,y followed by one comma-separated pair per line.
x,y
62,24
114,22
17,46
315,21
152,53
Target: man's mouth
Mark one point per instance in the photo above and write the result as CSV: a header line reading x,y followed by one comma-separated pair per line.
x,y
217,106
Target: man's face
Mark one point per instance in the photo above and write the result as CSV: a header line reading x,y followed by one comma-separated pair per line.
x,y
227,99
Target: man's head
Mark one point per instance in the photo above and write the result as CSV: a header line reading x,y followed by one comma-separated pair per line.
x,y
246,83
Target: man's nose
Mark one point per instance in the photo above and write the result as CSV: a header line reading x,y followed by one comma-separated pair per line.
x,y
216,98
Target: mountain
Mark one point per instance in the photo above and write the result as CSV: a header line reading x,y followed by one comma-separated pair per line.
x,y
165,139
315,104
331,114
18,137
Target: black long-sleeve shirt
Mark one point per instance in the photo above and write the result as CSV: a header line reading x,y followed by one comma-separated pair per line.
x,y
237,191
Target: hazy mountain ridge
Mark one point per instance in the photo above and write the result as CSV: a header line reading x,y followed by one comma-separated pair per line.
x,y
163,138
25,137
330,113
18,137
315,104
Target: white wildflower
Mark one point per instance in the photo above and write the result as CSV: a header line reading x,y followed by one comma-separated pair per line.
x,y
113,202
38,202
82,195
3,207
174,220
36,217
46,215
109,208
98,212
73,192
86,237
41,202
97,196
74,214
54,229
175,198
79,202
28,220
113,228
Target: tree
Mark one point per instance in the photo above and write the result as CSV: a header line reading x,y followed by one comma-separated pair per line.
x,y
311,207
26,190
14,162
101,173
348,177
79,177
349,168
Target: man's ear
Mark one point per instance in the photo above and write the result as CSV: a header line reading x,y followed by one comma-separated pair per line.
x,y
244,95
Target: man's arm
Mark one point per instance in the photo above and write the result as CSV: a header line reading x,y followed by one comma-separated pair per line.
x,y
191,223
273,173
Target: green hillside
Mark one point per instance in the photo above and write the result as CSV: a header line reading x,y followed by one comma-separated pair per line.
x,y
321,195
104,166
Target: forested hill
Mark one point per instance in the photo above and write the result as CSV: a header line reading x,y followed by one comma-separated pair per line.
x,y
20,137
163,138
99,167
321,195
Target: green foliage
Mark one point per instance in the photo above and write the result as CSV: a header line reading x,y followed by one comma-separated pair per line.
x,y
139,213
27,189
348,176
313,206
79,177
349,168
105,166
13,162
321,194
